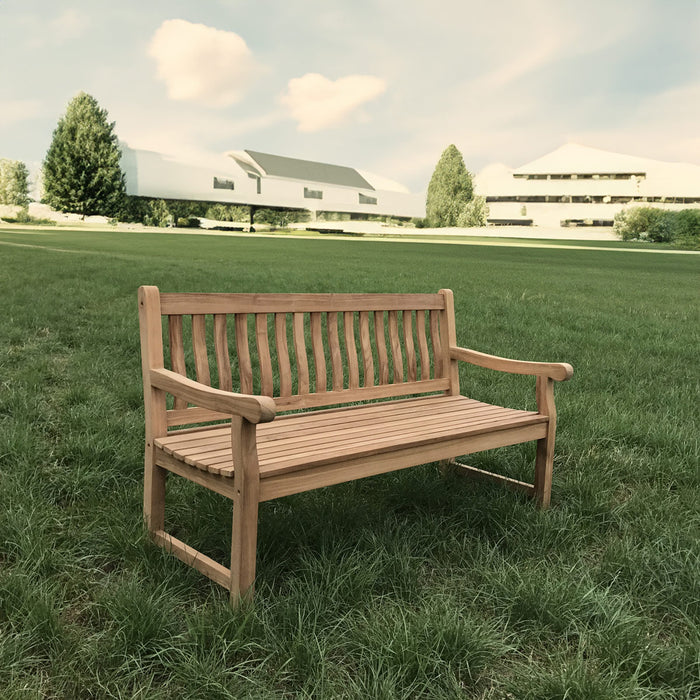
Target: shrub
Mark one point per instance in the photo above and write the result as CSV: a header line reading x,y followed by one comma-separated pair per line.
x,y
188,222
659,226
474,213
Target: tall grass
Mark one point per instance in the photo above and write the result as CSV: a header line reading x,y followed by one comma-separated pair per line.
x,y
401,586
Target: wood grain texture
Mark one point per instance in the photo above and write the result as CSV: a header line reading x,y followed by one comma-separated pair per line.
x,y
177,352
366,347
435,339
199,345
300,352
423,344
245,368
397,359
294,303
559,371
223,362
318,351
380,340
411,367
334,349
263,345
351,350
285,367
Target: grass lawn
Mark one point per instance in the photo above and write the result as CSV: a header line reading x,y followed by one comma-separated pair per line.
x,y
405,585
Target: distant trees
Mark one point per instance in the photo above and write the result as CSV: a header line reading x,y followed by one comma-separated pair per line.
x,y
14,182
450,200
82,171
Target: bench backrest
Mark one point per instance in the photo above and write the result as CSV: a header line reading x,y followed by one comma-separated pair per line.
x,y
305,350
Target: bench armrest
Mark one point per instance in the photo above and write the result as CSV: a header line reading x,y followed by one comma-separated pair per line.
x,y
255,409
555,370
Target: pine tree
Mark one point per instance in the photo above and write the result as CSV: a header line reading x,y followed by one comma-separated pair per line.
x,y
81,171
449,190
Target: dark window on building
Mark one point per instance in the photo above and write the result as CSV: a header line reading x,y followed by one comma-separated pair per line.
x,y
365,199
257,181
312,194
222,183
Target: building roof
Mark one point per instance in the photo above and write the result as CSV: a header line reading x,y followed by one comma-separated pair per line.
x,y
297,169
574,158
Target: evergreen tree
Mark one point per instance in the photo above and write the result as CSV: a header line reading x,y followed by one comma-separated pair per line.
x,y
82,172
14,187
449,190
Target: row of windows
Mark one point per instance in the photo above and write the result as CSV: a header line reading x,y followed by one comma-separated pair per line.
x,y
581,176
222,183
588,199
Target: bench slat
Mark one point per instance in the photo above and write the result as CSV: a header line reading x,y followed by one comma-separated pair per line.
x,y
245,369
283,354
199,345
199,303
438,362
223,362
351,350
366,345
423,345
317,348
395,346
177,353
300,352
334,348
380,340
263,345
411,369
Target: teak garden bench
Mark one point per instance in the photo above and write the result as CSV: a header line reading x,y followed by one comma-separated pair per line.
x,y
313,351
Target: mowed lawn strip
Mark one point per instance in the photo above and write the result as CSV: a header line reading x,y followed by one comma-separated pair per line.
x,y
402,585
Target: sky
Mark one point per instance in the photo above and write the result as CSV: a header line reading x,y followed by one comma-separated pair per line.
x,y
382,86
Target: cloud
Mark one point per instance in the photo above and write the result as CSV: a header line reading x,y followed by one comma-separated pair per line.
x,y
16,111
202,64
318,103
70,24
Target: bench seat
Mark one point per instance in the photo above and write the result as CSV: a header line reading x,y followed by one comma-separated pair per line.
x,y
305,440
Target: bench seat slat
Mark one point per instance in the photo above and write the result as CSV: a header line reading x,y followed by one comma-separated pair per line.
x,y
360,422
305,440
301,448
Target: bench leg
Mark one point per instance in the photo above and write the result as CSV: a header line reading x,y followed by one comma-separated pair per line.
x,y
545,446
245,510
153,495
544,463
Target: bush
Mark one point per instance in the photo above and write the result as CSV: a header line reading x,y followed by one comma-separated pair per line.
x,y
474,213
659,226
188,222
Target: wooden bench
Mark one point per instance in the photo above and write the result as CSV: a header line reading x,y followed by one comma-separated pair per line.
x,y
388,363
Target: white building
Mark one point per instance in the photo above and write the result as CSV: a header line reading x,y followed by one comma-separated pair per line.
x,y
580,186
266,180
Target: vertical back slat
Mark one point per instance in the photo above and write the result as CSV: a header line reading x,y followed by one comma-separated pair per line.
x,y
395,346
263,344
283,354
380,339
245,369
351,350
317,347
366,345
300,352
423,345
177,353
199,345
223,362
437,345
334,348
411,370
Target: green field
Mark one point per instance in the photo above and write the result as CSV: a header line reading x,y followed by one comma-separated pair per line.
x,y
406,585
